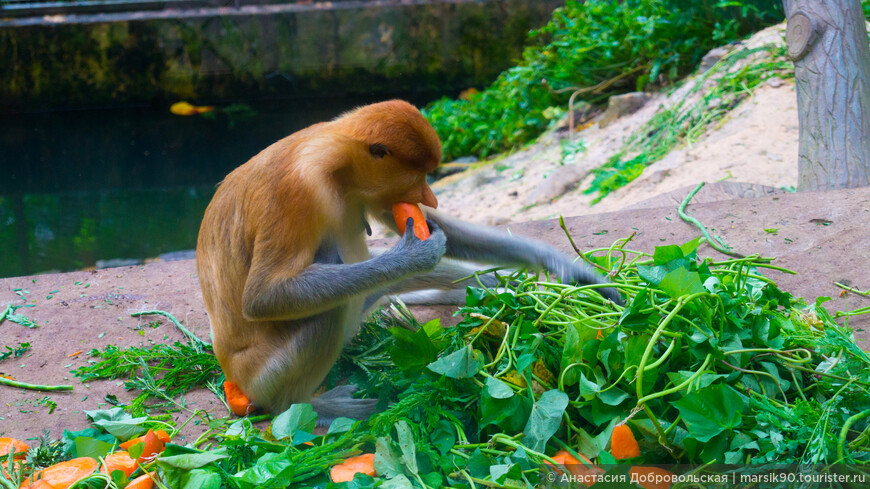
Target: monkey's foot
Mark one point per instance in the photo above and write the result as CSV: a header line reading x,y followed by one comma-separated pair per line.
x,y
338,403
239,403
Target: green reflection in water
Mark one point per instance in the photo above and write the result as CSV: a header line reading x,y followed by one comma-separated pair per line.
x,y
71,231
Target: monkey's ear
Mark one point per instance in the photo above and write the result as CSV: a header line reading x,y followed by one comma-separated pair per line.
x,y
378,150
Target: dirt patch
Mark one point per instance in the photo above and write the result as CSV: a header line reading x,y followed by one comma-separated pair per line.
x,y
80,311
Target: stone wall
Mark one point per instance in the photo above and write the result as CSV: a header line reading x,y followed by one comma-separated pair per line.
x,y
219,54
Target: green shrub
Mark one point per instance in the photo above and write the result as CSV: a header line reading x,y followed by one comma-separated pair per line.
x,y
617,45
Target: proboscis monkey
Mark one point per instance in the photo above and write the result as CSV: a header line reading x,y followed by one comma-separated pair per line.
x,y
282,257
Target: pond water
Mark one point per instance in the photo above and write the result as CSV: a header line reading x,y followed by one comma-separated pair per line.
x,y
111,187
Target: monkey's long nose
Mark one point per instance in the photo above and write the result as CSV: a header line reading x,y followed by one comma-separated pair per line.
x,y
428,198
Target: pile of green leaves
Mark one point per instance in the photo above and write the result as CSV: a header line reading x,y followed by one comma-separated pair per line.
x,y
612,46
708,362
161,373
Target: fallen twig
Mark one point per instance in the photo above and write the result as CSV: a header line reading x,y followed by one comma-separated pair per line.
x,y
853,290
34,387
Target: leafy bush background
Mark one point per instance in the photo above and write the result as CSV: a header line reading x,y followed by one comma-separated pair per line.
x,y
637,42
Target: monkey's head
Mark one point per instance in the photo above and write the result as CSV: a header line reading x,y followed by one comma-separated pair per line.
x,y
401,148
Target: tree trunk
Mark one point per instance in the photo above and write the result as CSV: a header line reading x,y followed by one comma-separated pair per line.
x,y
827,40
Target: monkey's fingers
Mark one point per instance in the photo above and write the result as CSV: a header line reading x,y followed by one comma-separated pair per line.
x,y
403,211
239,403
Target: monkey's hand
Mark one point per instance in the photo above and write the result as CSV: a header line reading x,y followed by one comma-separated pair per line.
x,y
419,255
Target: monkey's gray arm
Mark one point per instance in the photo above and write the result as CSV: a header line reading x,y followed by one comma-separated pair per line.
x,y
479,243
442,278
324,286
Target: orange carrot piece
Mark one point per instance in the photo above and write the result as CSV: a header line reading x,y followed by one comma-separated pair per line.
x,y
153,447
623,444
161,435
64,474
141,482
402,211
11,444
41,484
582,471
119,461
565,458
239,403
345,471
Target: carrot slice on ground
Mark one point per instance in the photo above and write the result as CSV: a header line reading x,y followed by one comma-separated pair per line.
x,y
41,484
153,447
239,403
11,444
402,211
622,443
119,461
161,435
344,472
64,474
141,482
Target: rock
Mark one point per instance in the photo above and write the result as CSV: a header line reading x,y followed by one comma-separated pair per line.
x,y
457,166
583,112
775,82
712,57
178,255
498,221
560,181
620,105
117,262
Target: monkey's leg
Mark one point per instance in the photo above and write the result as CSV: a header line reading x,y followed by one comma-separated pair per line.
x,y
298,362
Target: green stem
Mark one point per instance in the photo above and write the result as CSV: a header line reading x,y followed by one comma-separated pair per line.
x,y
663,357
177,324
656,395
577,250
34,387
658,332
845,431
865,293
681,210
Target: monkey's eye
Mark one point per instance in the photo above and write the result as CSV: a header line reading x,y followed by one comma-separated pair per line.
x,y
378,150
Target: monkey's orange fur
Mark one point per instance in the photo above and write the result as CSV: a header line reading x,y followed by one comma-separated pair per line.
x,y
269,217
